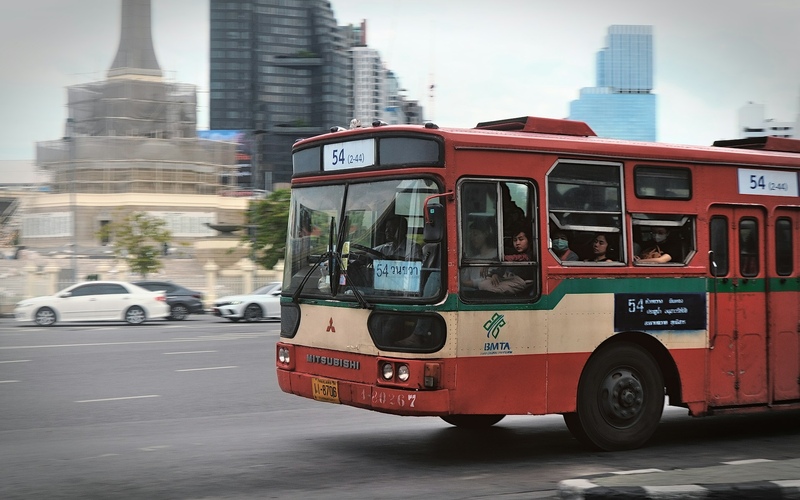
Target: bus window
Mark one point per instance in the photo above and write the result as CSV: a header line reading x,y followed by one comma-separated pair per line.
x,y
658,239
498,248
663,183
585,199
784,247
748,247
719,244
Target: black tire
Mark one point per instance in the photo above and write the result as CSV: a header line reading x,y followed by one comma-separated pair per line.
x,y
178,312
472,421
252,313
234,320
620,399
135,315
45,317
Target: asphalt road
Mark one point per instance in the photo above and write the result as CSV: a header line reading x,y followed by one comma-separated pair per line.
x,y
191,410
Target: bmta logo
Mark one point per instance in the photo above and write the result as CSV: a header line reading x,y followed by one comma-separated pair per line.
x,y
493,327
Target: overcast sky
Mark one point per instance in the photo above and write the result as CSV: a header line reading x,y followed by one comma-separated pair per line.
x,y
488,59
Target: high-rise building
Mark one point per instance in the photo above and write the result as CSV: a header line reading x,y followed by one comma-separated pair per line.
x,y
622,105
280,68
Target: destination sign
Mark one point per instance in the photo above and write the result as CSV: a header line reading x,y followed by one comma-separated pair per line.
x,y
350,154
397,275
659,311
768,182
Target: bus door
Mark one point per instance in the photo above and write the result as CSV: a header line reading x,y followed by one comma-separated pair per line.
x,y
738,321
783,296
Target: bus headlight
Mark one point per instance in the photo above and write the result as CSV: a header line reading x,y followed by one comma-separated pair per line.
x,y
387,370
403,373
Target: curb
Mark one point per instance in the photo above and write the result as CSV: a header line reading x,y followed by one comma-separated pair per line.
x,y
743,479
582,489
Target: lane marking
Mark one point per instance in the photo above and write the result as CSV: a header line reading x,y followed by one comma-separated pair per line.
x,y
117,399
187,352
15,361
8,381
211,368
97,344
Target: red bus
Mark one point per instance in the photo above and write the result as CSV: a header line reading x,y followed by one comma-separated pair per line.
x,y
528,267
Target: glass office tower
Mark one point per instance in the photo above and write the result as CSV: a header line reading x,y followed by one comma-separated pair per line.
x,y
281,69
622,105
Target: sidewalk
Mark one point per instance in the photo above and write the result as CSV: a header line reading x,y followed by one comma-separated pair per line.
x,y
757,479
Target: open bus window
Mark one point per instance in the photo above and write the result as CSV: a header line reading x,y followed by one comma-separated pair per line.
x,y
661,239
498,256
584,200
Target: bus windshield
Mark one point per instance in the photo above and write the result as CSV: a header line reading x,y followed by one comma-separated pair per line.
x,y
366,238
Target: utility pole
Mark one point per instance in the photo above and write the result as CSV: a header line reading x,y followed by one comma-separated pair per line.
x,y
71,178
255,167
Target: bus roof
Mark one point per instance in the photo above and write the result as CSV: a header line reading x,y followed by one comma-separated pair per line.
x,y
576,138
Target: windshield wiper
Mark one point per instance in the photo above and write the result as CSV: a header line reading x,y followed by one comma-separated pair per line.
x,y
335,267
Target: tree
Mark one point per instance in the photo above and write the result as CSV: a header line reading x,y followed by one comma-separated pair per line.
x,y
268,220
138,238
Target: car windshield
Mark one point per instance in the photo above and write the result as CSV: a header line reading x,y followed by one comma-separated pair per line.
x,y
367,237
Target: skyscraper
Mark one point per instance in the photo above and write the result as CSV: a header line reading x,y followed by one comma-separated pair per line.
x,y
282,68
622,105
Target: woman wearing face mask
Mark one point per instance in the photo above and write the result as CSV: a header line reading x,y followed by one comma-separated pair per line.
x,y
659,252
561,247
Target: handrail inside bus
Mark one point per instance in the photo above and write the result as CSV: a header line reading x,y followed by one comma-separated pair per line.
x,y
428,198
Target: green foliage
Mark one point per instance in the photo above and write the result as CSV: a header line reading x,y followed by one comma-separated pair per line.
x,y
268,220
138,238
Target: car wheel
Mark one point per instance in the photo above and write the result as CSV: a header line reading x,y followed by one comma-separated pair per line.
x,y
135,315
252,313
178,312
45,317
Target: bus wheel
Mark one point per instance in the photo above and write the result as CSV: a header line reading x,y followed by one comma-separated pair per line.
x,y
620,399
472,421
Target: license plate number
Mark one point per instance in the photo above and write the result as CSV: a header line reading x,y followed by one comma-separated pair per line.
x,y
325,390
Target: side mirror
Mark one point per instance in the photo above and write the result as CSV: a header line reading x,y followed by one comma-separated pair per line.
x,y
434,223
65,295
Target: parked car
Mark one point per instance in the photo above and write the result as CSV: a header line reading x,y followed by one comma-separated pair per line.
x,y
95,301
263,303
181,300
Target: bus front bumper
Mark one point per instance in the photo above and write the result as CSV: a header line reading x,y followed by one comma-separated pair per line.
x,y
372,397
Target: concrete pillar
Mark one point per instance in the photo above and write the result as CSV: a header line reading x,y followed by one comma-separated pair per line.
x,y
247,268
51,272
30,276
102,271
210,268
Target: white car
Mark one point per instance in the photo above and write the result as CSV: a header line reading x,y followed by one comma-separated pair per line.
x,y
263,303
95,301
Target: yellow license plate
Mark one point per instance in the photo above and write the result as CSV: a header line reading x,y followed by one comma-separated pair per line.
x,y
325,390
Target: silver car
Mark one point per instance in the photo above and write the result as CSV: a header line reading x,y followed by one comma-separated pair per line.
x,y
95,301
262,303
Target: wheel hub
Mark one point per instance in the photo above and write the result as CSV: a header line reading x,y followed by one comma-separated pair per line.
x,y
622,397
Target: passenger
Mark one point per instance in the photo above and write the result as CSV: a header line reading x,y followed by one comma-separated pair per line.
x,y
600,249
480,234
397,245
521,240
493,280
661,251
561,247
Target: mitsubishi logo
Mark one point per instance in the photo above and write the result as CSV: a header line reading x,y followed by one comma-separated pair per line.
x,y
330,328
